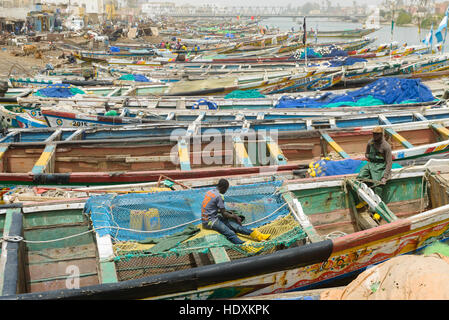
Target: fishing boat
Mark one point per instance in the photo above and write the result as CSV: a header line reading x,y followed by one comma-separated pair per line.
x,y
150,245
292,119
349,33
114,155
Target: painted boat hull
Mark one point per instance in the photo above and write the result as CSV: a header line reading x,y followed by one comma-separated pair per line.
x,y
303,267
43,159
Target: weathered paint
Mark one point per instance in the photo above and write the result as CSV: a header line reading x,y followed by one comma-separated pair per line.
x,y
45,162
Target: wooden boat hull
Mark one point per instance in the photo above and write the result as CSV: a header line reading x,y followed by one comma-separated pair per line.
x,y
351,33
43,159
315,262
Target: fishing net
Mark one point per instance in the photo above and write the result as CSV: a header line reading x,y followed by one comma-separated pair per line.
x,y
59,91
139,216
242,94
162,232
134,77
382,91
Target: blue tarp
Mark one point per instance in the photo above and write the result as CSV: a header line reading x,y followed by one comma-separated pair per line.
x,y
210,105
114,49
339,167
382,91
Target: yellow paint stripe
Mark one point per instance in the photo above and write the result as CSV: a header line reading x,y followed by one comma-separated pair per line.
x,y
44,158
241,151
335,146
444,131
399,137
431,233
440,147
183,156
273,148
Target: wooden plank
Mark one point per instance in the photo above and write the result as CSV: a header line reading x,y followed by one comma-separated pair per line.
x,y
365,221
418,116
219,254
170,116
54,136
399,138
3,150
113,92
181,103
147,159
442,131
129,92
77,135
107,270
240,154
45,163
334,145
11,272
275,151
183,154
383,120
301,217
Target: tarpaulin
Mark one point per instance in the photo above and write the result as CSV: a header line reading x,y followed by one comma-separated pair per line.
x,y
382,91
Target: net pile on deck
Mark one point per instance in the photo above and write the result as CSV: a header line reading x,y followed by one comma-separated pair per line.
x,y
157,233
383,91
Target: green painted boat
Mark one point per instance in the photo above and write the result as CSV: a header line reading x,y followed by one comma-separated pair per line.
x,y
70,251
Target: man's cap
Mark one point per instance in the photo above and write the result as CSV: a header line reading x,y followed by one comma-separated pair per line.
x,y
378,130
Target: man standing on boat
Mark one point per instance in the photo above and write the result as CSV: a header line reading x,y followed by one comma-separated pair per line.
x,y
214,216
378,169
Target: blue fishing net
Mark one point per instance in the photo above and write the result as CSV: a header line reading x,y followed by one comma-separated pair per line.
x,y
61,90
336,52
134,77
154,215
382,91
344,61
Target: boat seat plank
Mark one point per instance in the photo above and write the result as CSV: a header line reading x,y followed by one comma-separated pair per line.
x,y
301,217
399,138
334,145
240,154
183,154
77,135
443,131
45,163
219,254
275,151
365,220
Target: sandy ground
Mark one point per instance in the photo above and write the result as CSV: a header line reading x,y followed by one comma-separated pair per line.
x,y
24,66
27,66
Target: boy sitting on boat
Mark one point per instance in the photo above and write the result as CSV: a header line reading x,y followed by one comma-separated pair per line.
x,y
214,216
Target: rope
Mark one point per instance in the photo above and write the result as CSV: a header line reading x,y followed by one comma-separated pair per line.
x,y
19,238
335,234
